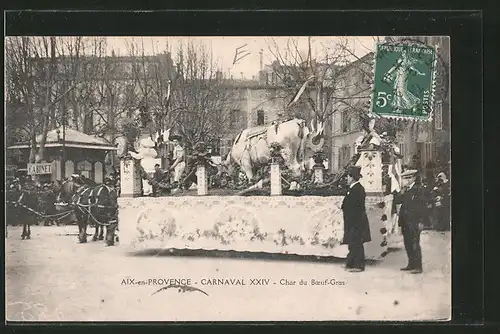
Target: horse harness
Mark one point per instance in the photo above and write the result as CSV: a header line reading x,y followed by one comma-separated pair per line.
x,y
86,208
57,216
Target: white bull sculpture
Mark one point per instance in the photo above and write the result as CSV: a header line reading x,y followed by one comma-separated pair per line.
x,y
251,148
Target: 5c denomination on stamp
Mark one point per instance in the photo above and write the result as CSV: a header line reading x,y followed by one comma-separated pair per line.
x,y
404,81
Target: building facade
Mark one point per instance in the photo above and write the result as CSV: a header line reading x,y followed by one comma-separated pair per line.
x,y
429,143
422,144
353,99
253,104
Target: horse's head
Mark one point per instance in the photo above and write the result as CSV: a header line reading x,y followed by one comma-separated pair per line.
x,y
66,190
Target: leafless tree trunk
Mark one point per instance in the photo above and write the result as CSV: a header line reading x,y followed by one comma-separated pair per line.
x,y
198,103
33,70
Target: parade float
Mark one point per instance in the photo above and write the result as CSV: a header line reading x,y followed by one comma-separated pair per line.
x,y
284,220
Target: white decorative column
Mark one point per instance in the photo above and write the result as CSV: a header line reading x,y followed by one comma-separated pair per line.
x,y
318,174
275,179
69,168
98,172
370,162
201,184
130,179
56,170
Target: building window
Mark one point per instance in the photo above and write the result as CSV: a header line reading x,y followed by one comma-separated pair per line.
x,y
438,116
344,156
428,152
402,150
215,145
225,147
84,168
346,121
234,118
260,117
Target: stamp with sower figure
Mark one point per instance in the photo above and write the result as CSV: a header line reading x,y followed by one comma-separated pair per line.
x,y
404,81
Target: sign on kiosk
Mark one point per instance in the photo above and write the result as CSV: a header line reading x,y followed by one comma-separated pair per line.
x,y
40,168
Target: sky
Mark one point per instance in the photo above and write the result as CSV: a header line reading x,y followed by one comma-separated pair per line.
x,y
224,48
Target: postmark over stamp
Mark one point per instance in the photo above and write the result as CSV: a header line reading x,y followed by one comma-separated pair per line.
x,y
404,81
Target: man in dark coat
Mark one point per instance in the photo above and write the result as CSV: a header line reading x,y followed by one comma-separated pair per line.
x,y
356,226
158,177
411,216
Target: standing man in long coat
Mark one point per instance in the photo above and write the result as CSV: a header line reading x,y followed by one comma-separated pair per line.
x,y
356,226
411,217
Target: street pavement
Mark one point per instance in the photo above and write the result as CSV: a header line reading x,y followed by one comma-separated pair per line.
x,y
53,278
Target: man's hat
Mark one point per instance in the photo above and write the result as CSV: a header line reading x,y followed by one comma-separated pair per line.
x,y
175,134
355,171
409,173
201,149
75,175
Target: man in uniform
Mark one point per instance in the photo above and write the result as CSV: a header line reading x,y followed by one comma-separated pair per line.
x,y
411,215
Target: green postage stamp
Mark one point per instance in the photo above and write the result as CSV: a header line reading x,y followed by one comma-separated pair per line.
x,y
404,81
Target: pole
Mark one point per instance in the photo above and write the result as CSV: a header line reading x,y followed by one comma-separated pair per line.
x,y
63,160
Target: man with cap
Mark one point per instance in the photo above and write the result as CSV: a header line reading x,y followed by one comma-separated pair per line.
x,y
411,215
356,225
442,202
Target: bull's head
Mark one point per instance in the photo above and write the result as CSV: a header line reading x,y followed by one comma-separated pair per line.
x,y
313,141
316,138
226,166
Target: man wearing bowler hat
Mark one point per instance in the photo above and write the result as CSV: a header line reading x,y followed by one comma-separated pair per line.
x,y
356,226
411,215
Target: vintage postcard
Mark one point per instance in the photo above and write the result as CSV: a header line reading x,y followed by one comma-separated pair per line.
x,y
228,178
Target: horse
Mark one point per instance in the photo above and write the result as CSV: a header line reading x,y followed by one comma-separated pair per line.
x,y
92,205
46,201
103,200
70,194
24,208
11,210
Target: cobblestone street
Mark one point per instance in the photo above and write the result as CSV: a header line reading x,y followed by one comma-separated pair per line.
x,y
53,278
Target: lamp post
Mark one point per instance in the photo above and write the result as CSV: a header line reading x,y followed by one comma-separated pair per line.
x,y
63,158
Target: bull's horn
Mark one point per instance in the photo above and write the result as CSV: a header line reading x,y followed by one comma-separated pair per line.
x,y
321,127
312,127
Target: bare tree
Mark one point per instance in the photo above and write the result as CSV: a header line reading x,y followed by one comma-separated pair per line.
x,y
152,75
115,95
342,80
32,80
200,98
186,92
79,59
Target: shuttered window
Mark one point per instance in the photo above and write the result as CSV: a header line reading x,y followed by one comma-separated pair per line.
x,y
438,116
402,150
428,151
225,146
260,117
235,118
346,121
344,156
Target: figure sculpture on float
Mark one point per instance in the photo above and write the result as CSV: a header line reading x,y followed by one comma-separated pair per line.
x,y
148,159
179,157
